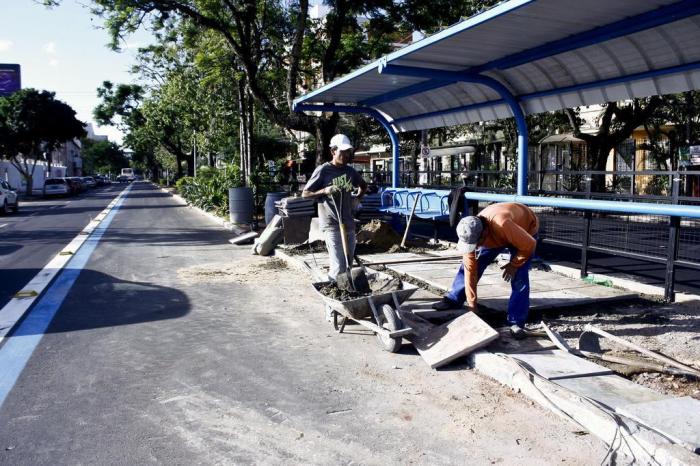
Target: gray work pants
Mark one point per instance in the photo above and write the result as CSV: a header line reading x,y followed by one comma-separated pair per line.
x,y
334,245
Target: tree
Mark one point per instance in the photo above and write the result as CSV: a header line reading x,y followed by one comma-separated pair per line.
x,y
102,157
279,50
34,123
617,121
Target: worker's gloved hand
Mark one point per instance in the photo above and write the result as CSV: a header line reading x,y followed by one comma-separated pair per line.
x,y
356,204
509,271
330,190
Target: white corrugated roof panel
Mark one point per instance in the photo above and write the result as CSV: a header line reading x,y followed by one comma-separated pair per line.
x,y
550,54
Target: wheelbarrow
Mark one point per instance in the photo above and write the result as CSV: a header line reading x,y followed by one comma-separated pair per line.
x,y
374,312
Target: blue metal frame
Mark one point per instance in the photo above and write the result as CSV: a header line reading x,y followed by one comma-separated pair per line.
x,y
395,143
492,83
660,16
646,208
561,90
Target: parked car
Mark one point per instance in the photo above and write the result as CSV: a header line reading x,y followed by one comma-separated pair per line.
x,y
101,180
56,187
8,198
90,181
78,184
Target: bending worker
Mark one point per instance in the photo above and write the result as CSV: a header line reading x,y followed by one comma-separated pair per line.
x,y
319,187
498,227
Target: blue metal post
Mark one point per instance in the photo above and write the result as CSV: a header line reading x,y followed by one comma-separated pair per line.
x,y
395,144
503,91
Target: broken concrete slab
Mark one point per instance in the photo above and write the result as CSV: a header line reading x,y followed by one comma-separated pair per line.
x,y
557,364
444,343
244,238
676,418
626,436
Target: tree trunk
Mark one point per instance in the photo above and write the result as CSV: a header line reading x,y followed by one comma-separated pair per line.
x,y
325,130
250,116
243,131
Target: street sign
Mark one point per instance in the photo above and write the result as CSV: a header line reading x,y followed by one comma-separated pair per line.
x,y
694,152
10,79
425,150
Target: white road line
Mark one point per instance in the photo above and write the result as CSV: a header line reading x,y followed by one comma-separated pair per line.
x,y
17,306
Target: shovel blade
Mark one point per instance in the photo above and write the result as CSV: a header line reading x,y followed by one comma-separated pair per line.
x,y
357,281
589,341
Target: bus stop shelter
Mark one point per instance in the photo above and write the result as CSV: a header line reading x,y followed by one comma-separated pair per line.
x,y
530,56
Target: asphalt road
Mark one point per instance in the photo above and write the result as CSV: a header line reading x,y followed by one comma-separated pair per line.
x,y
30,238
174,347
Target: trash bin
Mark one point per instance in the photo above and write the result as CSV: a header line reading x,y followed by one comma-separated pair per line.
x,y
240,205
270,209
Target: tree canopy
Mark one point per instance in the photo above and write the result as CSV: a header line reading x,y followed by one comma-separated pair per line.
x,y
33,124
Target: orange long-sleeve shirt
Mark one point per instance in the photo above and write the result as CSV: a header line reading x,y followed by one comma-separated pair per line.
x,y
506,224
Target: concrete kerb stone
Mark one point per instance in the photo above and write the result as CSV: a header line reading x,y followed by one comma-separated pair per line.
x,y
624,435
232,227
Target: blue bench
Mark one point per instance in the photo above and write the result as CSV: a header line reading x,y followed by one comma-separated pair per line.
x,y
432,204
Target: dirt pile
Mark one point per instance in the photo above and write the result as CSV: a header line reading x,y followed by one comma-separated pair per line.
x,y
378,236
305,248
377,284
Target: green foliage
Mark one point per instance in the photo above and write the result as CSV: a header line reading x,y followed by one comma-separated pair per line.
x,y
209,190
102,157
34,123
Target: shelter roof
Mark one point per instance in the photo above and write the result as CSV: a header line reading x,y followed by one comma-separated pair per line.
x,y
550,54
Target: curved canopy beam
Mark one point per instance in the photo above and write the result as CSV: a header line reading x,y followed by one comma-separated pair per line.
x,y
503,91
395,144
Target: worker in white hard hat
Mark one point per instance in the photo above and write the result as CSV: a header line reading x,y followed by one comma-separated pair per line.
x,y
320,187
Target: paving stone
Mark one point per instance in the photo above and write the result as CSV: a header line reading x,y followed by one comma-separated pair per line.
x,y
611,390
676,418
557,364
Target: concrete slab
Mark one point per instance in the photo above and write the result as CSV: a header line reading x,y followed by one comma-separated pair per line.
x,y
611,390
459,337
548,290
557,364
676,418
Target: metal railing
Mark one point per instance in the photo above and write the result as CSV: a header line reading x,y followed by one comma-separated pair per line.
x,y
660,225
639,186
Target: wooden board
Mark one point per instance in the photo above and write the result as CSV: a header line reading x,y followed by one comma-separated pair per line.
x,y
676,418
558,364
441,344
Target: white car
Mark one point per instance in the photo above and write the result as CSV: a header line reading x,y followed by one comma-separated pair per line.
x,y
8,198
56,187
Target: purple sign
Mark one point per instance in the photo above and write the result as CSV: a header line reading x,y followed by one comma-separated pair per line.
x,y
10,79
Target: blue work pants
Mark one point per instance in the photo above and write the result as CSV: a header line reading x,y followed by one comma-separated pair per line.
x,y
519,303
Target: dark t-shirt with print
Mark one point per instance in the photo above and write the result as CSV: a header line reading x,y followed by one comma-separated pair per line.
x,y
322,177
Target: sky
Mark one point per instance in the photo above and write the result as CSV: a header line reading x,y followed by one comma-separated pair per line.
x,y
64,50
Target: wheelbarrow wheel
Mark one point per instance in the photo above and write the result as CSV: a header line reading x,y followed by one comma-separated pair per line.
x,y
390,321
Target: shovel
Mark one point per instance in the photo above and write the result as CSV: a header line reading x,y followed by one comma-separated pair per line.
x,y
353,279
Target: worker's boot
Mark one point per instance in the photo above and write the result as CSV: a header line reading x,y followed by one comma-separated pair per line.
x,y
445,304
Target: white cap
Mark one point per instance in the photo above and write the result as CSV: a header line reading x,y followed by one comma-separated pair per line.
x,y
341,141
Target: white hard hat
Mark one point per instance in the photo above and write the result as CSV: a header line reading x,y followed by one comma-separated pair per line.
x,y
341,141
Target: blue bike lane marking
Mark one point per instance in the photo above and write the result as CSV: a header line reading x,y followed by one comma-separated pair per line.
x,y
20,345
